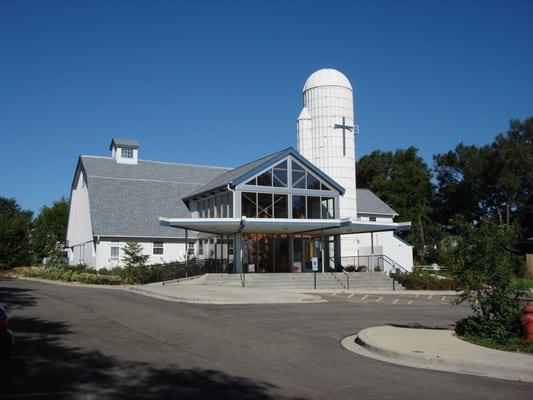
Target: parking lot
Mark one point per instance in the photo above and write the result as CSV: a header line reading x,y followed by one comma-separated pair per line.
x,y
401,299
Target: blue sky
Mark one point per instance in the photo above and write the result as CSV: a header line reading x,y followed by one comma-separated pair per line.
x,y
219,82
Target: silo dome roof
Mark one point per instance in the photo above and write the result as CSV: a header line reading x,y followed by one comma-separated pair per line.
x,y
327,77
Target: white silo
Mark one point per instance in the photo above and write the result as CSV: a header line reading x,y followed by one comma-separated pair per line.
x,y
326,136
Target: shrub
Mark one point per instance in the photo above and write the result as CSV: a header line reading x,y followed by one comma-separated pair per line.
x,y
424,281
79,273
96,279
137,274
484,263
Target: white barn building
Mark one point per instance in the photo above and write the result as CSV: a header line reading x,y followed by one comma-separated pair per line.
x,y
289,211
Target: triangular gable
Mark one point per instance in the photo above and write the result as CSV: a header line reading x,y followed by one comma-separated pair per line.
x,y
246,172
280,156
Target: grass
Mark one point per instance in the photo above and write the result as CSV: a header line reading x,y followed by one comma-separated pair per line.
x,y
515,345
525,282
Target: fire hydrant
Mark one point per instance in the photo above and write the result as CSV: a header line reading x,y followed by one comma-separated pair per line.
x,y
527,320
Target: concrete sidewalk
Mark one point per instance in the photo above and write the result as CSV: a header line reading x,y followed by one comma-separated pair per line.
x,y
439,350
204,294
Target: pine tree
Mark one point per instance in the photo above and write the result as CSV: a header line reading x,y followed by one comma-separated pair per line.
x,y
134,256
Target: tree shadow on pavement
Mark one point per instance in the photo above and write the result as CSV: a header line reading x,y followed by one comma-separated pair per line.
x,y
47,365
14,297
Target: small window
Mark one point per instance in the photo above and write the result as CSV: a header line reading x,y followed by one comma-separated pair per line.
x,y
126,152
158,248
190,249
200,247
372,219
115,253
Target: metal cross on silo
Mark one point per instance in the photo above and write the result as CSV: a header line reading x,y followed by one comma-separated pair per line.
x,y
344,127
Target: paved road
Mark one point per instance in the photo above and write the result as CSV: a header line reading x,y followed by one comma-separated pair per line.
x,y
99,344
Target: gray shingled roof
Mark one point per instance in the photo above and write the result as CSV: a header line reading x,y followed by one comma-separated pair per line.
x,y
124,143
369,203
128,199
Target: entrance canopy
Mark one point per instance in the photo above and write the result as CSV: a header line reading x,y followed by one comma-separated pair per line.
x,y
281,225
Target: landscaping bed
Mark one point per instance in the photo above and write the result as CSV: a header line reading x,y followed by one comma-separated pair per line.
x,y
424,281
68,273
140,274
515,344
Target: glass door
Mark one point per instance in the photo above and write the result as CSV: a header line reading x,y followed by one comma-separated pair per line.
x,y
311,249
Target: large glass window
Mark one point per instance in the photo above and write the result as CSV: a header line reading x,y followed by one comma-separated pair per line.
x,y
312,182
265,179
281,206
217,207
328,207
313,207
264,205
298,176
298,207
280,174
249,204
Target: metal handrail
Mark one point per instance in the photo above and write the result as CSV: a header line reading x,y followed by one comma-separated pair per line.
x,y
393,263
371,258
347,278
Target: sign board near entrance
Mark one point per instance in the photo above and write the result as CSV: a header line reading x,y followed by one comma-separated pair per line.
x,y
314,263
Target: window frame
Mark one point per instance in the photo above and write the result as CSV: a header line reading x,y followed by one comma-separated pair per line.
x,y
155,246
126,152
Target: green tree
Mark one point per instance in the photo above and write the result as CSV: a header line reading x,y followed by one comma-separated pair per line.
x,y
49,228
483,262
460,184
403,180
15,224
133,255
135,270
493,181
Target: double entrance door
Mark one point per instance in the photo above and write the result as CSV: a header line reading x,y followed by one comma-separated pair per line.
x,y
266,253
305,250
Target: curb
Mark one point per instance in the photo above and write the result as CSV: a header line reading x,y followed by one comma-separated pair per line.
x,y
363,345
73,284
203,300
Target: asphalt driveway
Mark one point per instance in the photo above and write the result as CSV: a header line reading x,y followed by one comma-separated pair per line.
x,y
98,343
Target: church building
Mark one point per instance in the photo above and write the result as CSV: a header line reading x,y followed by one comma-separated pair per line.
x,y
296,210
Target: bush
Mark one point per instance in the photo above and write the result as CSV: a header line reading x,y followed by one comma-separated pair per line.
x,y
79,273
424,281
484,263
138,274
96,279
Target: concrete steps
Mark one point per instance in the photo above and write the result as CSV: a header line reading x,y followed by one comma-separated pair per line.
x,y
358,280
